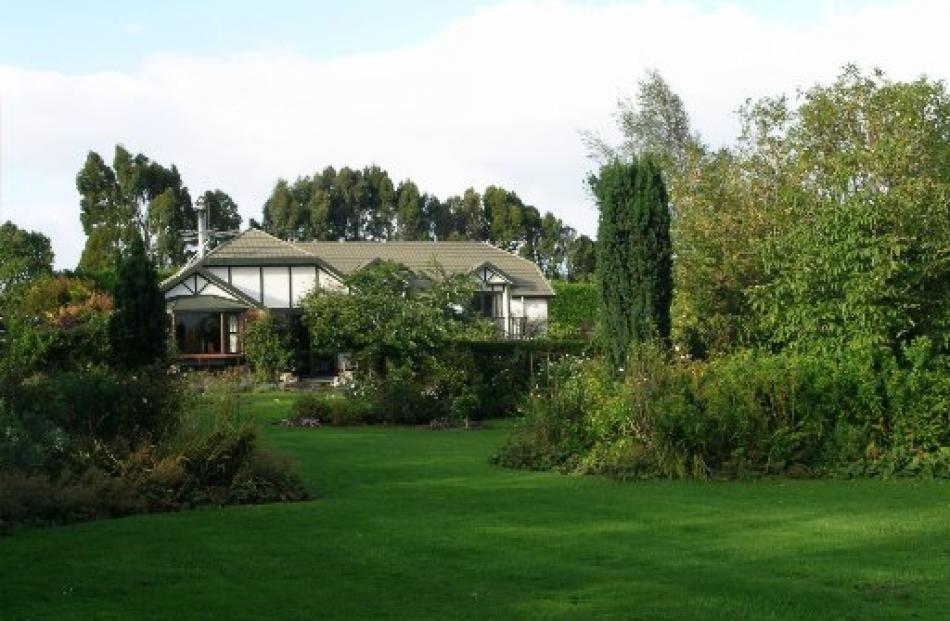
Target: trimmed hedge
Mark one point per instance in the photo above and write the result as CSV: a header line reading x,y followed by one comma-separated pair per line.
x,y
574,309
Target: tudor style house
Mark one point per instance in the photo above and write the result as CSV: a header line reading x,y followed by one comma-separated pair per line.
x,y
208,300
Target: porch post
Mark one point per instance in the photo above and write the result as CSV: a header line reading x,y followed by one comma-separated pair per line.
x,y
223,347
506,308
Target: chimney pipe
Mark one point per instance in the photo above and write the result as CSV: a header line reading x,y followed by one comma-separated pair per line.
x,y
202,210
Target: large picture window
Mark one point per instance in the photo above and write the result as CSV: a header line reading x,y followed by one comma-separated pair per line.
x,y
198,332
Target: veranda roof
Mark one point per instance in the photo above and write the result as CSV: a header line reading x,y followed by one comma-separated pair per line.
x,y
205,303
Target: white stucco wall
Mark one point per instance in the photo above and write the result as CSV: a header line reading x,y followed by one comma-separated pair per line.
x,y
176,291
329,282
213,289
536,309
220,272
276,287
303,279
247,280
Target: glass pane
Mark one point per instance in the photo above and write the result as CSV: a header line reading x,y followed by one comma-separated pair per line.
x,y
198,333
232,323
233,344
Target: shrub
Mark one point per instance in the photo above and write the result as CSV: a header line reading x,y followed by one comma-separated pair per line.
x,y
30,442
102,404
332,409
864,412
267,347
553,432
573,311
36,499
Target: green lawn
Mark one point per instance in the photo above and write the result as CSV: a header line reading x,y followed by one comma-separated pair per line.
x,y
417,525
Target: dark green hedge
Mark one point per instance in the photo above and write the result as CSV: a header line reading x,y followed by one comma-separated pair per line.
x,y
574,309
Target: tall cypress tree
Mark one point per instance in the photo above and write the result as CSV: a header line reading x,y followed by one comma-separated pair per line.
x,y
634,257
137,326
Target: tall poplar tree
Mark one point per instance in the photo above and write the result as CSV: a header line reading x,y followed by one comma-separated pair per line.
x,y
634,258
138,322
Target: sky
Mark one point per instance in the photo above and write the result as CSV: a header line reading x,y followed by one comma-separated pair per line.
x,y
451,94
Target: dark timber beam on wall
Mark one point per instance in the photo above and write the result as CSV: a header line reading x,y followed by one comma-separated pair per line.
x,y
260,272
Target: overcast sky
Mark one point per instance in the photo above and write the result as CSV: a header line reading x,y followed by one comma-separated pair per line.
x,y
451,94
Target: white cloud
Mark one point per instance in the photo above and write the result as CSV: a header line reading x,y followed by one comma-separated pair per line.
x,y
497,97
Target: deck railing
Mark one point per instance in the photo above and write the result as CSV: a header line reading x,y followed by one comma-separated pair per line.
x,y
518,327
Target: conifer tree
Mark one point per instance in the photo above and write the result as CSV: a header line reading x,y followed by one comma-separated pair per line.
x,y
634,257
137,326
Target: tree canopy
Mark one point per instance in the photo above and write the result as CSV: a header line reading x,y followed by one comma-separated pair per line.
x,y
24,256
826,223
634,262
364,204
137,196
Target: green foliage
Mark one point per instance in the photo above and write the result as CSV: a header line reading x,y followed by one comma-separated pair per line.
x,y
634,262
96,403
581,258
553,432
748,414
411,224
24,256
333,409
862,254
362,204
389,316
139,196
223,214
35,499
29,441
137,329
267,347
57,323
572,312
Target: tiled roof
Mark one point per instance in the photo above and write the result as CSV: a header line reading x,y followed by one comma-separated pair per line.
x,y
255,247
456,257
205,303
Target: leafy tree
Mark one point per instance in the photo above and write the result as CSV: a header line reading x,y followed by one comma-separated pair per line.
x,y
380,205
439,217
634,261
138,324
504,216
580,258
531,223
102,220
134,196
468,216
223,212
857,178
410,213
24,256
282,212
386,319
654,121
552,245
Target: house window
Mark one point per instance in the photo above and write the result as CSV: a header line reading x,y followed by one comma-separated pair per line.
x,y
231,329
488,304
198,332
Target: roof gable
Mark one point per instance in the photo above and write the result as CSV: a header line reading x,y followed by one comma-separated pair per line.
x,y
462,257
197,281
